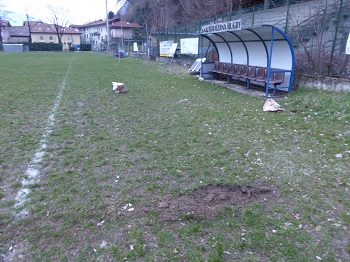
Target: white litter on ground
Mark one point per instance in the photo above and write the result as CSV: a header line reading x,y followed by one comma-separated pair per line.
x,y
119,88
128,207
33,170
272,106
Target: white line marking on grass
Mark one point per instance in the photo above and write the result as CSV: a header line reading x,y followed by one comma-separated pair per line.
x,y
33,170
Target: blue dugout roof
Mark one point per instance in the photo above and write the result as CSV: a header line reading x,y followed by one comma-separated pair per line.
x,y
265,45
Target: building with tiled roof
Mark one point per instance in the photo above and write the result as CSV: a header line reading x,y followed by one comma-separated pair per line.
x,y
19,34
95,33
47,33
123,29
40,32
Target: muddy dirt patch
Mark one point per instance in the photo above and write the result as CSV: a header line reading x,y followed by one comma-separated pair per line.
x,y
205,201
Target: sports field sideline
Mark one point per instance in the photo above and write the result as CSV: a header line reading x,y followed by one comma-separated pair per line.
x,y
173,170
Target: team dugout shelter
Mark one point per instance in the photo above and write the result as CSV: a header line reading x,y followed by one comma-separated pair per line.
x,y
267,47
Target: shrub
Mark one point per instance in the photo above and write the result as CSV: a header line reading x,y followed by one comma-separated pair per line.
x,y
45,47
85,47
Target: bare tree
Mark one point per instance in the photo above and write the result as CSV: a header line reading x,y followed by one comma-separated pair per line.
x,y
3,12
29,23
142,13
59,18
266,4
194,10
172,12
315,41
154,15
163,11
3,16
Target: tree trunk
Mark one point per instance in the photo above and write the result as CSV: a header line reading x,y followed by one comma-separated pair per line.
x,y
266,4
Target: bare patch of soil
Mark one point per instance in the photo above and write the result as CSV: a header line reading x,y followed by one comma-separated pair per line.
x,y
205,201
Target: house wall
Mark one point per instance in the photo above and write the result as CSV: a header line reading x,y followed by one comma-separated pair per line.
x,y
67,39
125,33
4,35
44,38
18,39
93,35
96,35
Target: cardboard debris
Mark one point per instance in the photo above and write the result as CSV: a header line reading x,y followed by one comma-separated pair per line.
x,y
272,106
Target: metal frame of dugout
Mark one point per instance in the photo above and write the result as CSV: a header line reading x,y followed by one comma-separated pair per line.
x,y
266,46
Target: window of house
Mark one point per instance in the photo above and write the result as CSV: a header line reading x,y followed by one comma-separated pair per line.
x,y
51,38
69,38
41,37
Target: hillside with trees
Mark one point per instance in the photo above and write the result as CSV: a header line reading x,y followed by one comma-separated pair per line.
x,y
160,14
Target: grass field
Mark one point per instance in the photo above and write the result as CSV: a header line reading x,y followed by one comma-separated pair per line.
x,y
101,171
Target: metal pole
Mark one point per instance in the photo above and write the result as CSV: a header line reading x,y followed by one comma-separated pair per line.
x,y
107,27
287,18
335,38
121,26
201,53
269,63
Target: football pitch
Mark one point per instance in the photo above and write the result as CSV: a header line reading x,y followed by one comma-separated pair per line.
x,y
175,169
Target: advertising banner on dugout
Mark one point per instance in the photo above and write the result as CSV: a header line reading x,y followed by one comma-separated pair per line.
x,y
221,27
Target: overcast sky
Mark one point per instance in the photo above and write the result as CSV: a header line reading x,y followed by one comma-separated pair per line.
x,y
80,11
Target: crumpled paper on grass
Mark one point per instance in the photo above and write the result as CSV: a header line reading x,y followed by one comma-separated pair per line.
x,y
119,87
272,106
